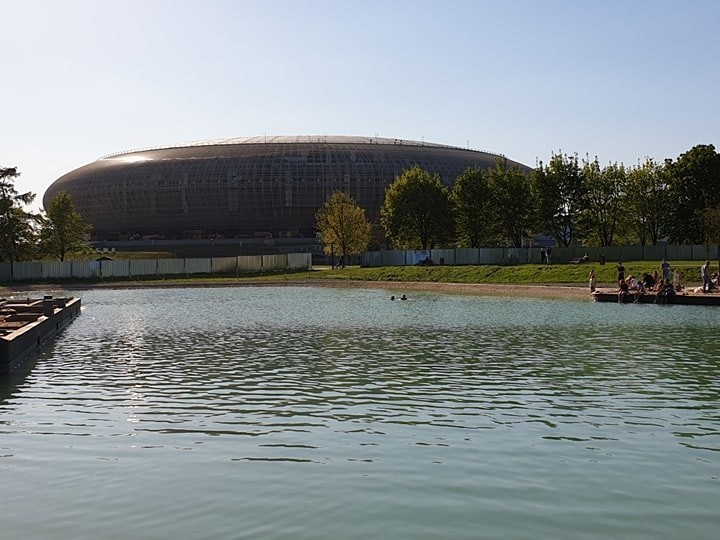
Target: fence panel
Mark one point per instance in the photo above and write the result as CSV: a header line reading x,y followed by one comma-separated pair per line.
x,y
443,256
466,256
369,259
170,267
198,266
299,261
274,262
5,271
631,253
143,267
224,265
114,269
249,264
679,253
57,269
85,269
393,258
23,271
414,256
700,253
654,253
491,256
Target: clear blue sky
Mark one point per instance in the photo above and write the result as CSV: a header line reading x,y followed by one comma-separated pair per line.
x,y
616,79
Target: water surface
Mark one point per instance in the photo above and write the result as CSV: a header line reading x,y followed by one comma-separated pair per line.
x,y
314,413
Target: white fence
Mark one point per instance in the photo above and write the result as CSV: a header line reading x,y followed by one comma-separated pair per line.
x,y
135,268
507,256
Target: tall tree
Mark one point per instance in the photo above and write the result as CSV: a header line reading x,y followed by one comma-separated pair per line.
x,y
473,208
559,190
605,188
343,226
63,230
512,201
417,212
693,185
17,233
647,201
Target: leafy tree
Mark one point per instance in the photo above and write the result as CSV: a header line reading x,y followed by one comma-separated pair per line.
x,y
512,201
647,201
693,185
343,226
17,232
417,212
63,230
710,220
473,207
559,189
605,188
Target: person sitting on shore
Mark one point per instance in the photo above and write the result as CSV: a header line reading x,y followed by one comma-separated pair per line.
x,y
648,281
623,292
634,287
666,292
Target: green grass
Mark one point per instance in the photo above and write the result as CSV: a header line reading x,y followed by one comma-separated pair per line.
x,y
519,274
571,274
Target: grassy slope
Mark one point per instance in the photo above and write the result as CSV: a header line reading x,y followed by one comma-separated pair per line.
x,y
519,274
529,273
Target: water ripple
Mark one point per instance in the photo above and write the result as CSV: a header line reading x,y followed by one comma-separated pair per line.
x,y
356,399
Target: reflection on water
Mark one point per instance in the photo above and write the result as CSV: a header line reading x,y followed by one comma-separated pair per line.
x,y
314,413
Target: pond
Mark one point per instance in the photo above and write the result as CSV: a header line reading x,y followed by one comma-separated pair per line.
x,y
316,413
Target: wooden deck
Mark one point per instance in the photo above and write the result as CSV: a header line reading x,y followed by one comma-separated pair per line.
x,y
683,299
26,325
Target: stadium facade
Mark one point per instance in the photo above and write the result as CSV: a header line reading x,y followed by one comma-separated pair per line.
x,y
247,187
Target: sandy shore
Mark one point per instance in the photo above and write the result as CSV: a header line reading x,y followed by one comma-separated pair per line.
x,y
569,292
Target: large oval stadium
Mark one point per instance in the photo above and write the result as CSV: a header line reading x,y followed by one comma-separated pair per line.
x,y
247,187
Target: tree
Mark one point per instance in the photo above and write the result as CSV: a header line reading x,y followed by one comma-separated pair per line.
x,y
473,207
63,230
605,188
343,226
17,232
693,185
647,201
417,212
710,221
559,188
512,201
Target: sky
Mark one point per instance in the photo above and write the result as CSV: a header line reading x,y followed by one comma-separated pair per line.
x,y
620,80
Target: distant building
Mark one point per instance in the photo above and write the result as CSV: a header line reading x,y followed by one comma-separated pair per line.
x,y
254,187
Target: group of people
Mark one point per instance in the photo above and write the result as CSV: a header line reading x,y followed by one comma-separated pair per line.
x,y
664,286
403,297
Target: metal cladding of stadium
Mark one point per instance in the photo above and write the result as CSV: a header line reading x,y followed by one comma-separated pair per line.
x,y
252,187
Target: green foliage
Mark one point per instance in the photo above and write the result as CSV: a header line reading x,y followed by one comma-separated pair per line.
x,y
17,226
343,226
472,205
559,190
417,212
604,190
512,201
647,201
709,219
63,230
693,185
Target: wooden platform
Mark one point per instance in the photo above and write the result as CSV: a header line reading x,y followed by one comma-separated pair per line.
x,y
26,325
682,299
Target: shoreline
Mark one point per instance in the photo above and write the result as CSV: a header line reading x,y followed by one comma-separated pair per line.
x,y
546,291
